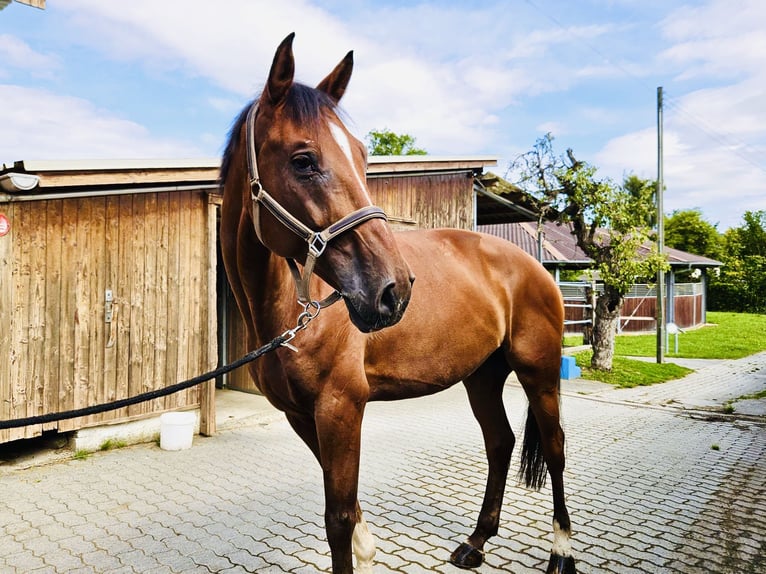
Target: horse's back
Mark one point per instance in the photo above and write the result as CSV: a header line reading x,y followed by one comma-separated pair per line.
x,y
498,264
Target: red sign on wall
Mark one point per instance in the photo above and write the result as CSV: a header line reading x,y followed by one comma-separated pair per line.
x,y
5,225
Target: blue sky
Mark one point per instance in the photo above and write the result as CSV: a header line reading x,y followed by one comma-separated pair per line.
x,y
88,79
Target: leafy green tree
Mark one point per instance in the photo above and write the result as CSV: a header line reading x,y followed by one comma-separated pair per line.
x,y
752,235
644,192
610,222
741,285
687,230
386,142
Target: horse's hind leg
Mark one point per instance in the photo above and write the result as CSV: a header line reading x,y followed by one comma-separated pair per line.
x,y
485,394
544,446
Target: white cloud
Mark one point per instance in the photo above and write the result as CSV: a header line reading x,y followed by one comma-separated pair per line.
x,y
227,105
232,42
446,88
556,129
15,53
735,111
48,126
718,39
714,140
696,176
635,151
538,43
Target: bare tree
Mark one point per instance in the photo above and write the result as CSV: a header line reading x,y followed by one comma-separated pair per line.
x,y
611,223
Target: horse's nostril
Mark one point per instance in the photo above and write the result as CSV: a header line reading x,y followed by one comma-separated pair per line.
x,y
388,300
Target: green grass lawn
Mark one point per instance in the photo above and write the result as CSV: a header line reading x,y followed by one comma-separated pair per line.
x,y
627,373
727,336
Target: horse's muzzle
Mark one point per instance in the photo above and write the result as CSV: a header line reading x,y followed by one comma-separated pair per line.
x,y
384,310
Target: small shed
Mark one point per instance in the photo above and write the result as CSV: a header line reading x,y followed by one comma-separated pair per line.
x,y
111,283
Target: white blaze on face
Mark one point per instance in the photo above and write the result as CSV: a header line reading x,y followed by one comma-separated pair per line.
x,y
345,145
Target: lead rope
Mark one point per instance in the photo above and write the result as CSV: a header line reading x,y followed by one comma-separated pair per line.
x,y
310,311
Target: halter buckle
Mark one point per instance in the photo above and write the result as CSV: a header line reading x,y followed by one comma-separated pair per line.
x,y
317,245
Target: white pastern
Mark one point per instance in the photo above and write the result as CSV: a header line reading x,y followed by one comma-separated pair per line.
x,y
345,145
561,544
363,544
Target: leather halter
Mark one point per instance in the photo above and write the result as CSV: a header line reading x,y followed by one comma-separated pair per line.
x,y
317,240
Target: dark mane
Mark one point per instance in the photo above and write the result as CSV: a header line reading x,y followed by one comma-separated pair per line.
x,y
231,143
304,105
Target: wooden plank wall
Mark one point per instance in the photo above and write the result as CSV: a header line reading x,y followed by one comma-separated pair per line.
x,y
426,201
56,351
687,310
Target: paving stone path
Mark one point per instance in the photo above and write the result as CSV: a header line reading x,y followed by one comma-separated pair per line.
x,y
656,482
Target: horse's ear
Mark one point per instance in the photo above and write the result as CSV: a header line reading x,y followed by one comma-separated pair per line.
x,y
335,83
281,73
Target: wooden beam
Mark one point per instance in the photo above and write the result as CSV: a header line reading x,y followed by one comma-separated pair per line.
x,y
34,3
130,177
207,425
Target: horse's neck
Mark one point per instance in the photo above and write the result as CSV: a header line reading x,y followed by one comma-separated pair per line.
x,y
271,293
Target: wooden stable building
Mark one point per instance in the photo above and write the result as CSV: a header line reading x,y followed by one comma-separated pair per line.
x,y
107,287
556,248
111,283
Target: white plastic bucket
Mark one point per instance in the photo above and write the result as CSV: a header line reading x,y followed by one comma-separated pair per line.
x,y
177,430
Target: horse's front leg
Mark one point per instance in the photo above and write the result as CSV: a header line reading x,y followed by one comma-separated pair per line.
x,y
362,541
338,417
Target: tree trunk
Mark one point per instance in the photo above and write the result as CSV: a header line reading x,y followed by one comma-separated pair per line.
x,y
608,308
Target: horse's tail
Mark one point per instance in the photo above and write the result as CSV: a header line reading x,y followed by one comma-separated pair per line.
x,y
533,468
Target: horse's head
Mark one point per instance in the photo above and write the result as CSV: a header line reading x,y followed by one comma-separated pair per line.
x,y
315,171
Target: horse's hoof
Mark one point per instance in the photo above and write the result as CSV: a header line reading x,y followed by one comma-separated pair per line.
x,y
466,556
561,565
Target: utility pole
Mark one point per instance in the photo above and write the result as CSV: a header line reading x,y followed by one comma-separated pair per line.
x,y
660,237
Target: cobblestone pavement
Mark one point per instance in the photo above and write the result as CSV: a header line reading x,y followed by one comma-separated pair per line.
x,y
655,483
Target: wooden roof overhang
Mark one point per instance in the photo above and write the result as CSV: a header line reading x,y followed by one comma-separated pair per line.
x,y
30,180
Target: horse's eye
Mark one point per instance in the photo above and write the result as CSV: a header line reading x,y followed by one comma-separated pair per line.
x,y
304,164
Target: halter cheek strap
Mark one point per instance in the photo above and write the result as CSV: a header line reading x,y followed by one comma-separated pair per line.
x,y
317,240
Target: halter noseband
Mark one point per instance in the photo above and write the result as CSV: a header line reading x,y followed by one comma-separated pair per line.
x,y
317,240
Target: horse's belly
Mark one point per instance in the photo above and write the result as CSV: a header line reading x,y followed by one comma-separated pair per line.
x,y
419,357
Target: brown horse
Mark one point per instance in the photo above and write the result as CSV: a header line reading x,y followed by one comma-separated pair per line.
x,y
294,189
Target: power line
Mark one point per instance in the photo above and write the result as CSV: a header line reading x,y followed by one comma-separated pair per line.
x,y
731,143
